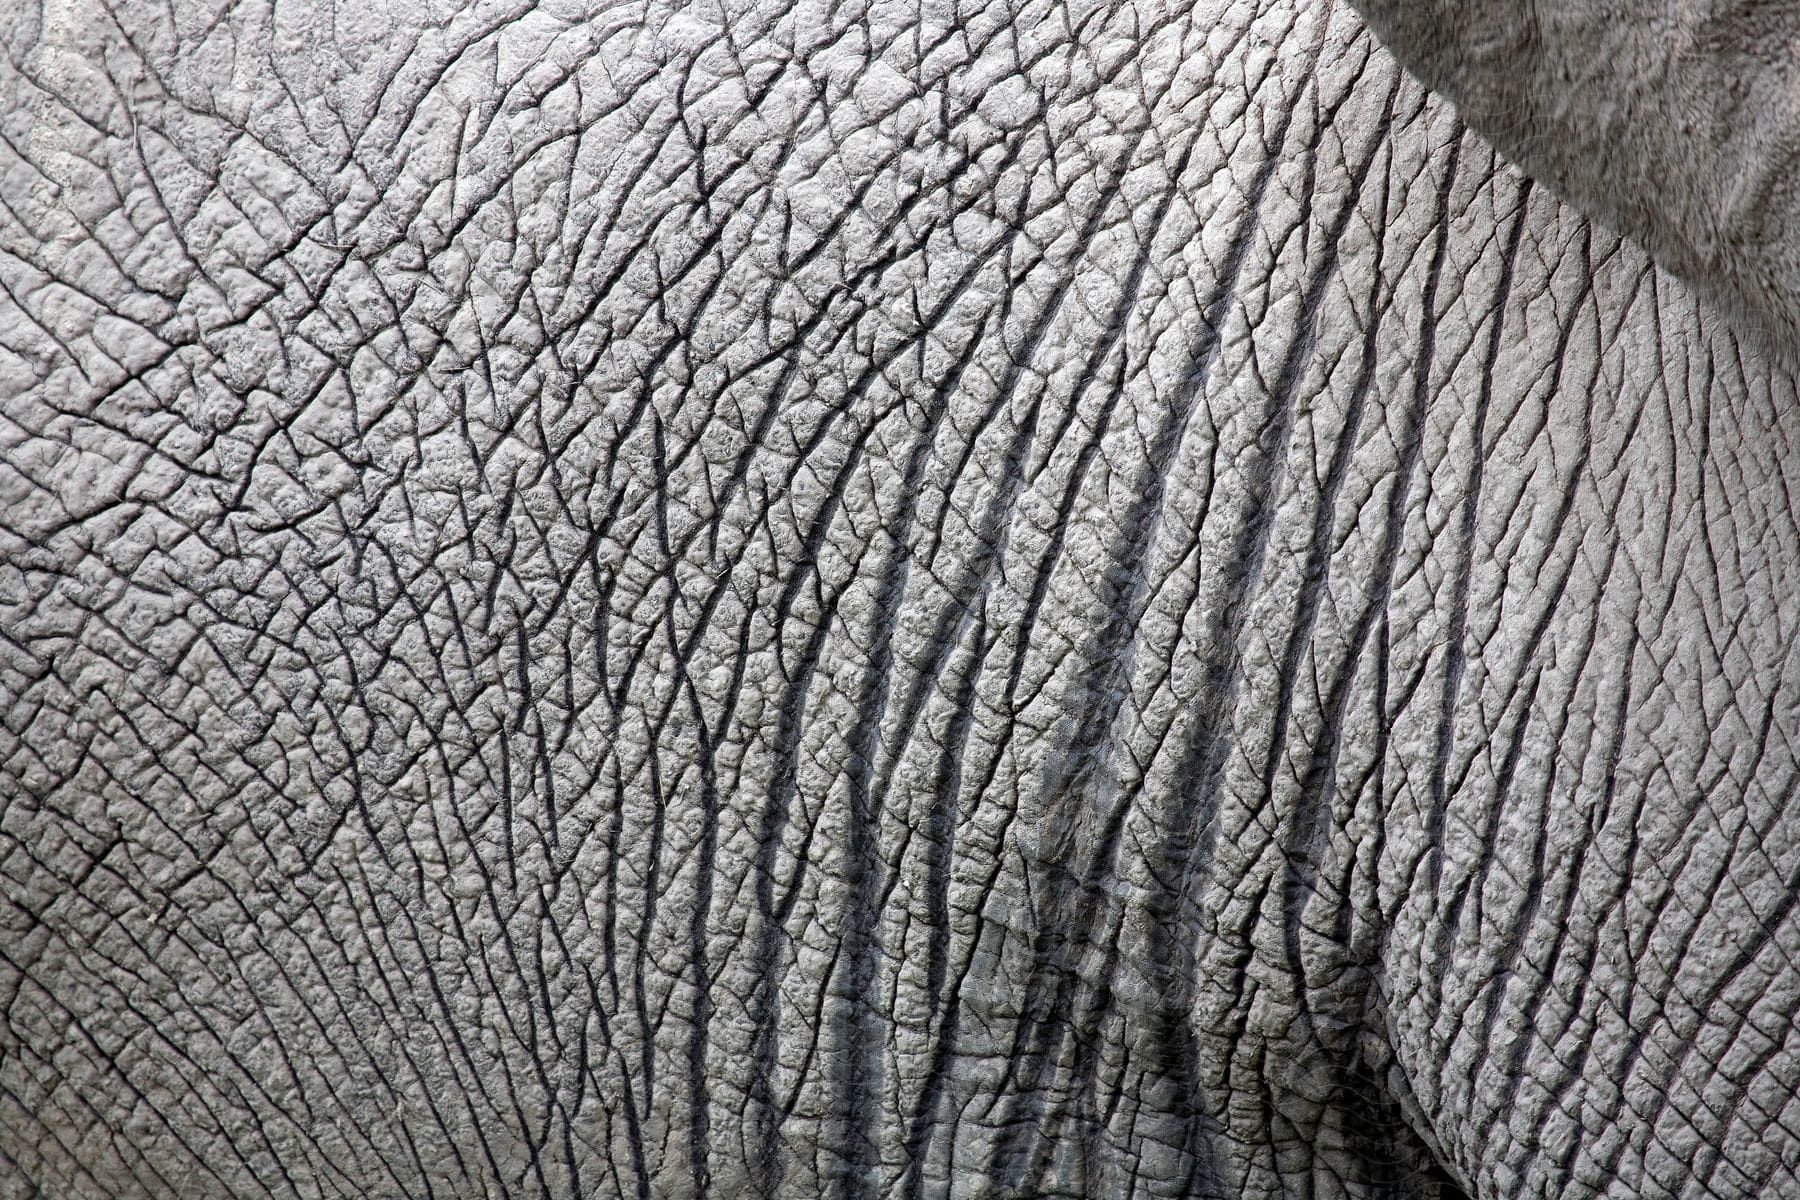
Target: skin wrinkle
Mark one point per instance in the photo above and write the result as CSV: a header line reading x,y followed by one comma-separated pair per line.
x,y
996,598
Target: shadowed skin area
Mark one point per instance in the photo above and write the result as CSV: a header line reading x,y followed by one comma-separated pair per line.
x,y
859,600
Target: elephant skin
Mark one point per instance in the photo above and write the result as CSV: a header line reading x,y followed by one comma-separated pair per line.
x,y
1033,598
1675,121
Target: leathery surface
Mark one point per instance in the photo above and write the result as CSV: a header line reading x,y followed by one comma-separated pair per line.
x,y
864,599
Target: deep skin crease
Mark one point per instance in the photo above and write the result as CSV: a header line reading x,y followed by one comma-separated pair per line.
x,y
842,599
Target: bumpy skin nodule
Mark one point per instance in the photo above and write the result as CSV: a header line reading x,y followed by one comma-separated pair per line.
x,y
857,600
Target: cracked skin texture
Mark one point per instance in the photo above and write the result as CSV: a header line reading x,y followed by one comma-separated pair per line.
x,y
858,599
1676,121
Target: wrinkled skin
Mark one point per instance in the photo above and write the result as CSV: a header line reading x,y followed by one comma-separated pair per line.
x,y
1677,121
867,600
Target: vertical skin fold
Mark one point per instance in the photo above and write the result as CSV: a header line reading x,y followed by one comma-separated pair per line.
x,y
1034,598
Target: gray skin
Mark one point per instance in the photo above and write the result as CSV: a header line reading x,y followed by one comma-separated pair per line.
x,y
1676,121
862,600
